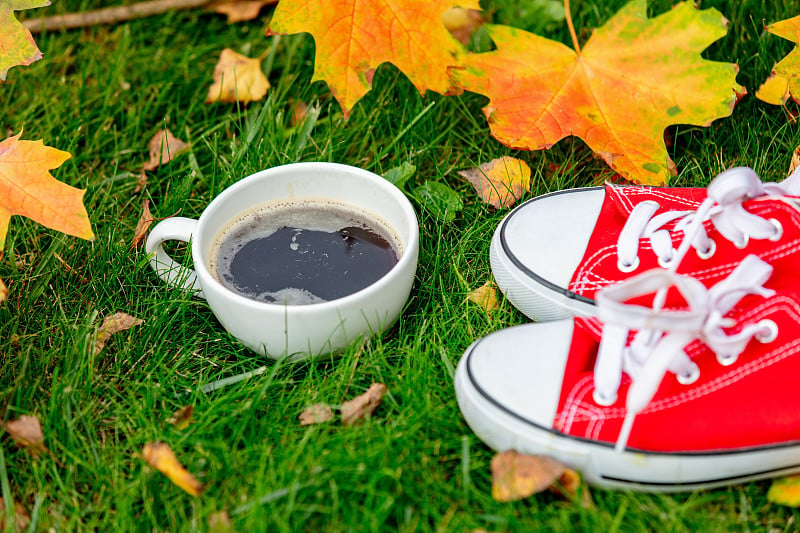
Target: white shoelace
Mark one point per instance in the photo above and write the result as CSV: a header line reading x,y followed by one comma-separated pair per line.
x,y
658,346
723,207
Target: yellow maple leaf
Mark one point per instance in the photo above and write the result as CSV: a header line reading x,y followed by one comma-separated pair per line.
x,y
237,78
774,90
634,77
17,46
500,182
27,188
785,491
787,71
354,38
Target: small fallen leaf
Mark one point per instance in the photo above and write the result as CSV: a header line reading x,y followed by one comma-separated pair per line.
x,y
500,182
237,78
363,405
160,456
571,486
219,521
144,223
3,291
774,90
785,491
316,414
113,324
485,297
461,23
795,162
182,417
164,147
516,476
299,111
241,10
21,517
27,433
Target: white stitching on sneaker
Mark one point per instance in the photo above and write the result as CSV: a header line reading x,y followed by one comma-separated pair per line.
x,y
587,279
658,346
576,406
725,194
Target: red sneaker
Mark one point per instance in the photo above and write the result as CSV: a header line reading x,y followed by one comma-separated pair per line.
x,y
552,254
702,395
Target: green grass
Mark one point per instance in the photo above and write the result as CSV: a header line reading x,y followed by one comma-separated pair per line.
x,y
101,93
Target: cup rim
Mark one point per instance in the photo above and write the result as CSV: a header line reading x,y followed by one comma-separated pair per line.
x,y
409,255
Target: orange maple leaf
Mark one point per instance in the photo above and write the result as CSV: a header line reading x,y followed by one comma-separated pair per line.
x,y
17,46
27,188
785,81
353,38
634,77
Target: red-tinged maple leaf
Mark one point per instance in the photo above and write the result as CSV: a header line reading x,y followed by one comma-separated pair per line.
x,y
354,37
634,77
785,82
16,42
27,188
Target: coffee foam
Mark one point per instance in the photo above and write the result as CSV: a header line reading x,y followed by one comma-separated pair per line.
x,y
311,214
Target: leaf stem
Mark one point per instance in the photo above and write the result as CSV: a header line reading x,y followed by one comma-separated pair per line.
x,y
572,33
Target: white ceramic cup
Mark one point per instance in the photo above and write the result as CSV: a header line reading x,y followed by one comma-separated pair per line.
x,y
295,331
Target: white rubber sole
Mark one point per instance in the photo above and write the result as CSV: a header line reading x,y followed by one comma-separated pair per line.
x,y
501,429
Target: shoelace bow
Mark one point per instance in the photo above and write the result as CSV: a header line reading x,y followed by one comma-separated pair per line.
x,y
723,206
661,335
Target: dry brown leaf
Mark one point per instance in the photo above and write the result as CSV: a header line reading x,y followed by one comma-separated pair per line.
x,y
164,147
461,23
485,297
241,10
141,183
27,433
182,417
219,521
516,476
21,517
500,182
144,223
362,406
298,110
795,160
3,291
160,456
237,78
113,324
316,414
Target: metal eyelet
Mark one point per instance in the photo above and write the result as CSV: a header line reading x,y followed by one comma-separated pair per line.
x,y
743,244
601,400
712,249
666,263
771,334
626,268
690,377
778,230
727,359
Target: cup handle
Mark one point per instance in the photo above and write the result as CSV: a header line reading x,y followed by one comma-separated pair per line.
x,y
173,273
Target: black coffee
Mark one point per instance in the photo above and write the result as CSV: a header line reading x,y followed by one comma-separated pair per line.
x,y
302,253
